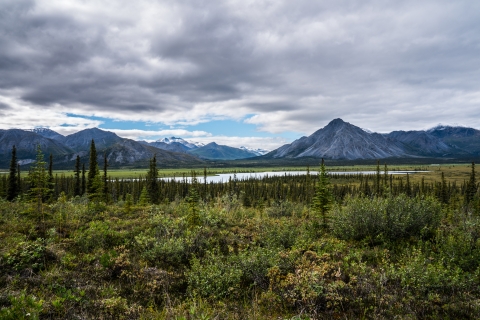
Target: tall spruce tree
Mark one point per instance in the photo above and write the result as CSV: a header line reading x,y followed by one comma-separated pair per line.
x,y
13,187
77,182
93,184
39,178
152,180
323,196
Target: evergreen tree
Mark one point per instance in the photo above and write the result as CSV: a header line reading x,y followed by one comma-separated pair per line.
x,y
323,196
152,180
93,181
193,218
13,187
77,182
39,178
144,199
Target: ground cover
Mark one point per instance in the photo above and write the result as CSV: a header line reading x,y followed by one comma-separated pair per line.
x,y
255,249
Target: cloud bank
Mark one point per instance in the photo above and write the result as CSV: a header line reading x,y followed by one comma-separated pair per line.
x,y
280,65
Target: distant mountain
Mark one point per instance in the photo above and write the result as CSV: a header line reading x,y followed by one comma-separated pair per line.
x,y
342,140
189,144
81,140
256,152
423,143
210,151
465,139
119,151
214,151
47,133
173,146
26,144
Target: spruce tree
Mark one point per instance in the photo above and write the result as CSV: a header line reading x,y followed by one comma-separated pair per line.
x,y
77,182
193,217
13,187
39,178
323,196
93,182
152,180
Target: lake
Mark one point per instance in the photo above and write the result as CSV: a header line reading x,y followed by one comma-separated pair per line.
x,y
225,177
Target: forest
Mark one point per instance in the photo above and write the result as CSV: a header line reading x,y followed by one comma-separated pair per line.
x,y
326,246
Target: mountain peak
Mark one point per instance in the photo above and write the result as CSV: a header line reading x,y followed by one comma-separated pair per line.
x,y
336,122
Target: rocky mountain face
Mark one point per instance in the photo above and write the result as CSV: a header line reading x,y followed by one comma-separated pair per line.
x,y
465,139
342,140
423,143
119,151
26,144
47,133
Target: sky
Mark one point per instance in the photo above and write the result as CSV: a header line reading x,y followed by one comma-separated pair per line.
x,y
243,73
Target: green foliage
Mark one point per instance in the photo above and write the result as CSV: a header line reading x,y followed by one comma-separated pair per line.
x,y
94,183
391,218
144,198
39,179
22,307
381,259
13,186
193,217
152,180
26,254
214,278
323,197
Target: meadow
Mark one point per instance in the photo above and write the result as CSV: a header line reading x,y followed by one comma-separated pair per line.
x,y
294,247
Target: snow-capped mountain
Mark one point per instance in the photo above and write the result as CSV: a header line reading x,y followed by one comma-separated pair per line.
x,y
188,144
257,152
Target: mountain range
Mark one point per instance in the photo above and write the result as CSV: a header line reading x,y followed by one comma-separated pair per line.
x,y
119,151
338,140
341,140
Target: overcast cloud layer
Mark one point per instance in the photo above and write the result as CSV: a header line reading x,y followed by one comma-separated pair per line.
x,y
281,65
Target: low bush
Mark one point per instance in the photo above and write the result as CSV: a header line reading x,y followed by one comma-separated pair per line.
x,y
391,218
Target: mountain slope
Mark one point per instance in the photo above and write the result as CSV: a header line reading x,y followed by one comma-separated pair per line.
x,y
422,143
465,139
50,134
342,140
81,140
214,151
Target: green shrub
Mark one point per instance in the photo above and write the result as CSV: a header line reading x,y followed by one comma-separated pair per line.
x,y
280,209
386,219
214,277
22,307
27,254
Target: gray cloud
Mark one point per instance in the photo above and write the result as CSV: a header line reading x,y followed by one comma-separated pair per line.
x,y
294,65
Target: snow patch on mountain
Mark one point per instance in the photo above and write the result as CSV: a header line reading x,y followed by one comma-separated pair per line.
x,y
257,152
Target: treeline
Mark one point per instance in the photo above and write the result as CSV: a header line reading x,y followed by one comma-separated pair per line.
x,y
252,192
